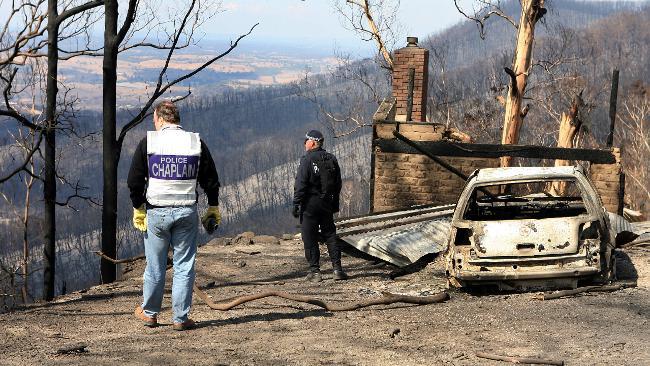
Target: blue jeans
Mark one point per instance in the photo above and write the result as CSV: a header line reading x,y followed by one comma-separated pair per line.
x,y
178,227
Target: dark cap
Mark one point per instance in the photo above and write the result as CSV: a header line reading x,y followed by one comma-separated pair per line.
x,y
314,135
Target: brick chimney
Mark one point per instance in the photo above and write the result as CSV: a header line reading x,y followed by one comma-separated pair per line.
x,y
411,61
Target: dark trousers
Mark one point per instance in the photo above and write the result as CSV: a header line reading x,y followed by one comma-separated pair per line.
x,y
311,222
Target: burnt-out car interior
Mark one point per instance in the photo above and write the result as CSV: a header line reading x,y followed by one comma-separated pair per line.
x,y
528,226
524,200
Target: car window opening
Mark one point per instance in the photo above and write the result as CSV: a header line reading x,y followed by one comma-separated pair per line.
x,y
525,200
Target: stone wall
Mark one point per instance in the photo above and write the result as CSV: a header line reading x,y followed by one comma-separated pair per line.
x,y
403,180
413,131
606,178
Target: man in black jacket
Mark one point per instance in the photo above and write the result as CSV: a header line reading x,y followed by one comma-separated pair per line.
x,y
166,167
315,200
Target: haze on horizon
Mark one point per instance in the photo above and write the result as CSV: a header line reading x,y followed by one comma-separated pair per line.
x,y
316,24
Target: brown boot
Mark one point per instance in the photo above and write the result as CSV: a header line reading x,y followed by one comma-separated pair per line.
x,y
186,325
146,320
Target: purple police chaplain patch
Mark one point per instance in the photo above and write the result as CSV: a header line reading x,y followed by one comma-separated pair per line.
x,y
173,167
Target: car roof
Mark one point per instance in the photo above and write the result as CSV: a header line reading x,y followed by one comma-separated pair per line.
x,y
525,173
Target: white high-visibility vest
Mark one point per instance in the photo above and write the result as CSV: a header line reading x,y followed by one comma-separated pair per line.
x,y
173,162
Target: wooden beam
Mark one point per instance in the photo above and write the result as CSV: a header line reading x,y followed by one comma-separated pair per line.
x,y
621,193
521,360
447,148
372,176
613,97
433,157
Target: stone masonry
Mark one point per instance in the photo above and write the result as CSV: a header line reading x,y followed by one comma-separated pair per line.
x,y
403,180
606,179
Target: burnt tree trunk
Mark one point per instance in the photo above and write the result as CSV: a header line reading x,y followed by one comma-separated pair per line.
x,y
570,125
110,159
29,183
531,12
49,152
111,145
54,20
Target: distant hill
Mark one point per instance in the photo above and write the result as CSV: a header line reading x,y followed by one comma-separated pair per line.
x,y
244,67
466,48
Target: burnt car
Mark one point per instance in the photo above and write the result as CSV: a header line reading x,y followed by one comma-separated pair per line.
x,y
508,230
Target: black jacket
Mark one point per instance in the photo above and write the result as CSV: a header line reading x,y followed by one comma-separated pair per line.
x,y
207,178
307,188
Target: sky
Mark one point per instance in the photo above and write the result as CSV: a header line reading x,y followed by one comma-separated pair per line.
x,y
308,22
316,22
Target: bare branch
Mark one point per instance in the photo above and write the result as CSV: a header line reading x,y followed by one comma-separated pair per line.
x,y
386,299
32,26
160,89
374,30
119,261
20,118
488,9
130,18
28,159
78,9
76,194
357,123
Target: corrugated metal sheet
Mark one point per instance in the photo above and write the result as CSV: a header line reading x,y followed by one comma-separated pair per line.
x,y
643,230
400,237
619,223
641,227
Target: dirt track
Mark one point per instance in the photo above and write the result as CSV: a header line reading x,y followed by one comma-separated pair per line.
x,y
593,329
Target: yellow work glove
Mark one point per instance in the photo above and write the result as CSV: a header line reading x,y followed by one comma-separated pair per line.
x,y
212,213
140,218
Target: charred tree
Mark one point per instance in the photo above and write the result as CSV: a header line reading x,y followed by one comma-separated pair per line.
x,y
54,20
49,152
110,153
570,124
531,12
26,42
374,30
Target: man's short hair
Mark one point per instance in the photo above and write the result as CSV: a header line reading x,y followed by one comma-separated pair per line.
x,y
168,112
